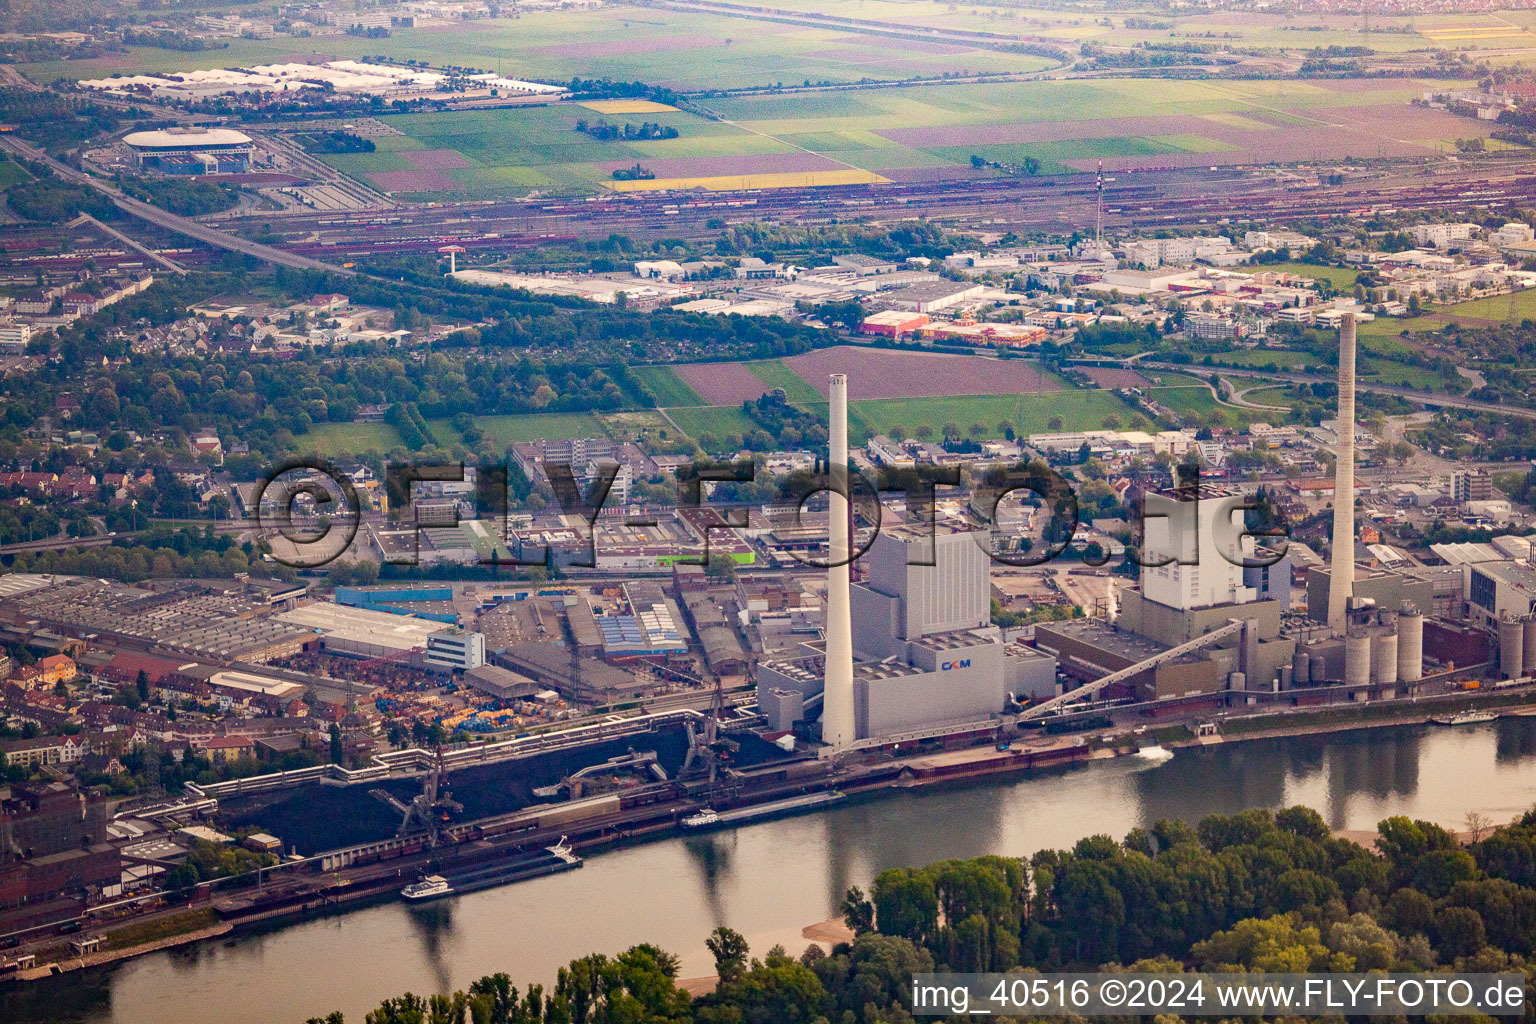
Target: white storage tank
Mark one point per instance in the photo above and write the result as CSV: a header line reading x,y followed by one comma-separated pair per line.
x,y
1237,681
1300,667
1384,658
1317,667
1410,645
1511,647
1357,659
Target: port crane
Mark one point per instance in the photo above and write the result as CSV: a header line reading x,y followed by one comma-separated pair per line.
x,y
708,748
433,805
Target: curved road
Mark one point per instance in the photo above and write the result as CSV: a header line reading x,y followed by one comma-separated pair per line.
x,y
1426,398
183,225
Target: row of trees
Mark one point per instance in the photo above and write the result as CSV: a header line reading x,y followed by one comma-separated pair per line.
x,y
1256,891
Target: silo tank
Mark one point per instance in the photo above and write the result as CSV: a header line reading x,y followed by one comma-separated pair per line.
x,y
1300,667
1384,659
1410,646
1317,667
1357,659
1237,681
1528,647
1511,647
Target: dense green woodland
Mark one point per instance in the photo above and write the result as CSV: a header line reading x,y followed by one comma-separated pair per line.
x,y
1256,891
542,356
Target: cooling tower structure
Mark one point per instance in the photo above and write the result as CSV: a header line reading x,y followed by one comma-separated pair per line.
x,y
1410,645
1511,647
837,722
1341,580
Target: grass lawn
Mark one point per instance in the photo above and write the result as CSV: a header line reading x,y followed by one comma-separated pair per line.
x,y
775,374
1341,278
354,438
1285,396
721,421
1384,371
1501,308
1263,357
667,386
1200,402
12,173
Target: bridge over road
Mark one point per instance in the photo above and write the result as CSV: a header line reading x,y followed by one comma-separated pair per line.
x,y
161,218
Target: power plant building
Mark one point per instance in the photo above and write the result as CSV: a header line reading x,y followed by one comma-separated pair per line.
x,y
927,653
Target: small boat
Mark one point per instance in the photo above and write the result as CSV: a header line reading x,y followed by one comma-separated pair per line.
x,y
701,819
1154,752
430,887
1465,718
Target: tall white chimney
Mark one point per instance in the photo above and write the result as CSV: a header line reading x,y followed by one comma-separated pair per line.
x,y
837,728
1341,582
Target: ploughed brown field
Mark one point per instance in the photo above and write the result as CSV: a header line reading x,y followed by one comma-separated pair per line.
x,y
721,383
885,373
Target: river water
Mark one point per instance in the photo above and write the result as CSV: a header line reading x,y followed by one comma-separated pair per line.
x,y
771,879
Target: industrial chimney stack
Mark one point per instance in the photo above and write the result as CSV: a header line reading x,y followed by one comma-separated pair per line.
x,y
1341,583
837,728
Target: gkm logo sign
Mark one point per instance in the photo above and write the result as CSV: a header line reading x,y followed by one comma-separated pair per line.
x,y
963,663
309,512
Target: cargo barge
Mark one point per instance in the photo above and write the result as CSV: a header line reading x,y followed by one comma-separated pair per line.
x,y
549,861
709,818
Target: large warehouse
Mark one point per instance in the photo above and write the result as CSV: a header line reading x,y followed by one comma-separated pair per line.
x,y
191,150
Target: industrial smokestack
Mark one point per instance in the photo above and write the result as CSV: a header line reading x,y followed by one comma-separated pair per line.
x,y
837,703
1341,581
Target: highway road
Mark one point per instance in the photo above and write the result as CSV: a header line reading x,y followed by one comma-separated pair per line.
x,y
182,225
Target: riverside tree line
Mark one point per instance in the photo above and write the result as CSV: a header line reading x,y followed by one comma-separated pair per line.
x,y
1256,891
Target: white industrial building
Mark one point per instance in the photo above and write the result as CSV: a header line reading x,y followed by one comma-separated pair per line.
x,y
361,633
455,650
1202,534
352,77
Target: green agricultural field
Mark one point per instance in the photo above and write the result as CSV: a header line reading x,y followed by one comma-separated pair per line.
x,y
331,439
720,421
503,430
667,386
776,375
679,49
1031,414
